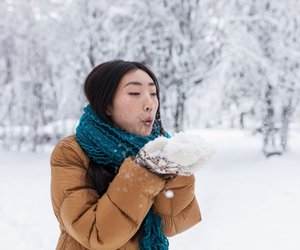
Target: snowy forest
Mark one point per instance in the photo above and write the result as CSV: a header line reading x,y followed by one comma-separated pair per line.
x,y
229,72
230,63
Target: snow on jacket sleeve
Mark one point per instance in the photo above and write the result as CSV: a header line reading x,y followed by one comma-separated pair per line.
x,y
102,223
180,211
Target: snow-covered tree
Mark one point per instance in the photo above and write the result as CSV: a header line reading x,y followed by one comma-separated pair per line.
x,y
219,63
175,39
260,76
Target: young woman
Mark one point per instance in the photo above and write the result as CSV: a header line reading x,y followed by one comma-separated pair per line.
x,y
101,196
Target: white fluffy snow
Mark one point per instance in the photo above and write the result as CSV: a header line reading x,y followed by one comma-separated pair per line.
x,y
188,150
247,202
182,154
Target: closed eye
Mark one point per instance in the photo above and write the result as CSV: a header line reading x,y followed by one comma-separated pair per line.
x,y
154,94
134,93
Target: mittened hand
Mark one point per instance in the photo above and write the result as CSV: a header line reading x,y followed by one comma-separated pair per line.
x,y
182,154
151,157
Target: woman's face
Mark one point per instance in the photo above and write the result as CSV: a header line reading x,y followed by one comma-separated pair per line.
x,y
135,103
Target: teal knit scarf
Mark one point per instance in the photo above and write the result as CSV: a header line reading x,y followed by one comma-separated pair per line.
x,y
110,146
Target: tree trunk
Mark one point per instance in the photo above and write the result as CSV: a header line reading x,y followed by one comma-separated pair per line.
x,y
242,116
180,109
268,129
285,120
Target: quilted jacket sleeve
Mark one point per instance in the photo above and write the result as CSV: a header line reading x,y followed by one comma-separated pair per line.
x,y
99,223
179,211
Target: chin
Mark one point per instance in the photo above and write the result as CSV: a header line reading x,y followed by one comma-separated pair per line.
x,y
144,133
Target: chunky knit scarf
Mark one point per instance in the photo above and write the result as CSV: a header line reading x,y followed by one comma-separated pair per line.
x,y
110,146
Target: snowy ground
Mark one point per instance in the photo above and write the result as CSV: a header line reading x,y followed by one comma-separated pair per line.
x,y
247,201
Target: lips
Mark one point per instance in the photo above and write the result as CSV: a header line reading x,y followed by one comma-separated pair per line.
x,y
148,121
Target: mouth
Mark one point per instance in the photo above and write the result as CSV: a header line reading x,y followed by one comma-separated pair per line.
x,y
148,122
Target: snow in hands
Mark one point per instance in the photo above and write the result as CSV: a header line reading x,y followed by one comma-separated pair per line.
x,y
181,154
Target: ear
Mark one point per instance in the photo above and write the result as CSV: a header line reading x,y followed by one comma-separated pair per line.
x,y
108,110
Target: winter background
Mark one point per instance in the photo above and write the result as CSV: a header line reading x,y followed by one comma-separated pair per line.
x,y
229,71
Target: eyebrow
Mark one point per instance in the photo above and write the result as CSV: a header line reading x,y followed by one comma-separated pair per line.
x,y
138,84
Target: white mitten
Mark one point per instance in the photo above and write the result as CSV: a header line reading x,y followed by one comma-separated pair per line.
x,y
182,154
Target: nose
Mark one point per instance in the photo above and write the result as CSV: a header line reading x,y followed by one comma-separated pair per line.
x,y
148,105
148,109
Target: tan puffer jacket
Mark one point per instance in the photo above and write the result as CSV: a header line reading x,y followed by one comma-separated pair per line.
x,y
88,221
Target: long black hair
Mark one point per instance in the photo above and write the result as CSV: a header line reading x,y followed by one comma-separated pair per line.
x,y
100,87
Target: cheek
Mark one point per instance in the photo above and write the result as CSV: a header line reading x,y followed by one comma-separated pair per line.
x,y
126,105
124,109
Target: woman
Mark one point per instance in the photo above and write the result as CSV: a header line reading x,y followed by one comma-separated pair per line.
x,y
101,196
